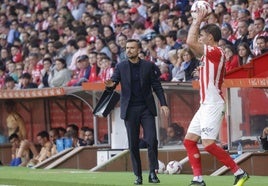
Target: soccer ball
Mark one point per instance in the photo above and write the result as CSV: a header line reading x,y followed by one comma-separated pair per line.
x,y
200,5
173,167
161,168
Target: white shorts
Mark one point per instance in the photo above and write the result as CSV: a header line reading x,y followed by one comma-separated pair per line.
x,y
207,121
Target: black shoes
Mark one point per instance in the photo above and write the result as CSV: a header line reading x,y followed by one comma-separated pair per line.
x,y
153,178
138,180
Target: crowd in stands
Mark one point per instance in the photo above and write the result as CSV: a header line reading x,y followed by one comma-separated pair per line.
x,y
58,43
26,153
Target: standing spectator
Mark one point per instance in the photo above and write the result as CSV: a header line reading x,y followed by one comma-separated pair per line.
x,y
70,50
205,125
60,75
137,106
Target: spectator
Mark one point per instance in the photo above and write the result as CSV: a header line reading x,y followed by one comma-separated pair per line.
x,y
165,76
178,73
82,49
94,69
190,63
244,53
135,16
259,24
121,41
242,29
26,81
264,138
10,83
100,47
83,71
175,134
160,53
62,131
227,32
262,45
60,75
232,60
45,152
106,70
2,76
46,73
21,150
171,39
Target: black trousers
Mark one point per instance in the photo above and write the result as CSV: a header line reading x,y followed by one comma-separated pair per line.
x,y
140,116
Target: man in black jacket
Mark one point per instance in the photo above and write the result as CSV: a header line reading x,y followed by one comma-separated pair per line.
x,y
138,78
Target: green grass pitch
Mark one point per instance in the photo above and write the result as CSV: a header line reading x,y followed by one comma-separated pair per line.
x,y
21,176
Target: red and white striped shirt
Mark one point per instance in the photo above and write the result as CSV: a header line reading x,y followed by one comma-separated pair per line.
x,y
211,75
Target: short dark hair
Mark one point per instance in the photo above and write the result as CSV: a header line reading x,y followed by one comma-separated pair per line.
x,y
43,134
136,41
212,29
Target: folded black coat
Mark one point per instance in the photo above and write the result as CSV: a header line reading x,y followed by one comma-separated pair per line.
x,y
106,104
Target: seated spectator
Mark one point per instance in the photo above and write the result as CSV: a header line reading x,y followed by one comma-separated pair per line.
x,y
10,84
21,150
175,134
60,75
83,71
165,76
12,71
2,76
189,64
26,81
178,73
262,45
244,53
106,69
45,73
232,60
264,138
46,147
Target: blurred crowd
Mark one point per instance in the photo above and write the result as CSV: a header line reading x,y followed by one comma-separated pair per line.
x,y
58,43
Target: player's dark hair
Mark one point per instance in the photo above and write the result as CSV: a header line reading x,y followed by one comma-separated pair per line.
x,y
212,29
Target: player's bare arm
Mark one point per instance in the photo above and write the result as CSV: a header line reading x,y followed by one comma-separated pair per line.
x,y
193,35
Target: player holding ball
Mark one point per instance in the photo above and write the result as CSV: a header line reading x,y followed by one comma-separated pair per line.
x,y
207,120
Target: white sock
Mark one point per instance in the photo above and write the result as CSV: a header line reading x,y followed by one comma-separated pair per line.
x,y
198,178
239,171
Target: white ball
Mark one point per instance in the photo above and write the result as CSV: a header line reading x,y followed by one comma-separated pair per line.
x,y
162,167
200,5
173,167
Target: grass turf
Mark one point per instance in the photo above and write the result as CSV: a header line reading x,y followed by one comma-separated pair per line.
x,y
21,176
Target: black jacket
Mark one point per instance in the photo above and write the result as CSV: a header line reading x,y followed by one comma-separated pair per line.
x,y
149,79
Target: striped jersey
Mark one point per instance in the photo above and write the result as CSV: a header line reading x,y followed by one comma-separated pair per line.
x,y
211,75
